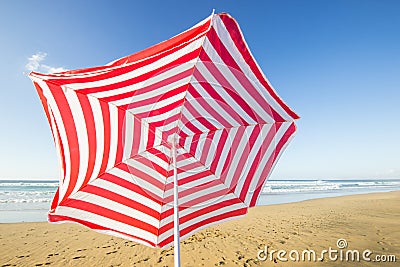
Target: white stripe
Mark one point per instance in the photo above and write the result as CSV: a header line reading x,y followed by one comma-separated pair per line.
x,y
99,127
237,87
193,120
242,148
182,127
139,71
225,152
263,163
214,83
213,147
115,206
225,38
105,222
144,134
63,186
202,191
128,137
120,190
203,112
163,116
155,159
199,146
113,136
57,142
154,92
130,177
80,126
251,158
146,169
157,105
218,106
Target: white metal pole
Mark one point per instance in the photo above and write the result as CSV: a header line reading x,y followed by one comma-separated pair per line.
x,y
177,250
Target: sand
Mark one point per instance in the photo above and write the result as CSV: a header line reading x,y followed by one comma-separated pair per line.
x,y
370,221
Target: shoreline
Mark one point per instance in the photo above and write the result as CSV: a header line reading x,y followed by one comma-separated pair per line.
x,y
366,221
266,199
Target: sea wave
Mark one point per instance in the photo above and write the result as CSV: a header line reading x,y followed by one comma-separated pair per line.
x,y
25,200
309,186
28,184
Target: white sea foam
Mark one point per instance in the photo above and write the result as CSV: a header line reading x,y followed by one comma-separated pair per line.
x,y
310,186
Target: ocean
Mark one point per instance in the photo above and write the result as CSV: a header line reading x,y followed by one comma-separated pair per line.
x,y
29,201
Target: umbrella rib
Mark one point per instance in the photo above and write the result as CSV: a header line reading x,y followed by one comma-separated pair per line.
x,y
108,103
235,127
230,190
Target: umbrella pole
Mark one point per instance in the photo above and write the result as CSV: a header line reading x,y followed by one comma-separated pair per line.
x,y
177,250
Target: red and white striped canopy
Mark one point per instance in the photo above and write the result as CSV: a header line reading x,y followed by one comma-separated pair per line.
x,y
113,127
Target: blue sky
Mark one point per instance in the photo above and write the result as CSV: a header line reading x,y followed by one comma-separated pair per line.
x,y
336,63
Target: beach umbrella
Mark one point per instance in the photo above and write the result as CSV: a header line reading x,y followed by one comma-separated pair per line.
x,y
162,143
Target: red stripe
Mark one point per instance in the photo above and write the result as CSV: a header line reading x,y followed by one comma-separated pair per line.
x,y
109,213
216,96
216,195
107,71
54,203
244,155
159,154
156,98
232,152
61,148
235,69
255,163
195,115
107,194
109,87
229,89
196,212
267,170
107,135
161,110
150,137
193,177
235,33
121,140
139,173
206,147
186,123
72,137
91,134
204,103
137,134
183,191
149,88
55,131
43,100
129,185
218,152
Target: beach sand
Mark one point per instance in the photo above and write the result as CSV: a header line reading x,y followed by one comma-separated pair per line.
x,y
370,221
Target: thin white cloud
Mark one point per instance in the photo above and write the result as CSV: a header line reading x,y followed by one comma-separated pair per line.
x,y
34,64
